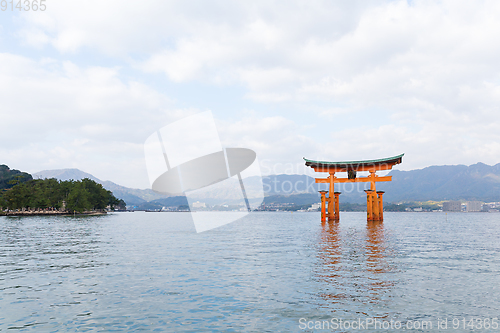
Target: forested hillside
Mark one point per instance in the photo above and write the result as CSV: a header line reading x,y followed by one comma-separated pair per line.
x,y
9,178
71,196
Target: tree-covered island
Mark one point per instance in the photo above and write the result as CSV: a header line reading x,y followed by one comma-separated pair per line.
x,y
50,195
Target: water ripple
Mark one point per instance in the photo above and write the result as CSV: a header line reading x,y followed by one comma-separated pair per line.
x,y
152,272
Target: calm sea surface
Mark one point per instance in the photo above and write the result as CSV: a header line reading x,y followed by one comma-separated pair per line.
x,y
268,272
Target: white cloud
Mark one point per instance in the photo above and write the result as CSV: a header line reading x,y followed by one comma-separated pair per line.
x,y
57,114
277,141
374,78
57,96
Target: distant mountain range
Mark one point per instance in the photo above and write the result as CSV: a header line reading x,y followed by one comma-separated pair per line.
x,y
450,182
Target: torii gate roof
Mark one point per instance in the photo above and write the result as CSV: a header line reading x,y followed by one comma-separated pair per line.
x,y
379,164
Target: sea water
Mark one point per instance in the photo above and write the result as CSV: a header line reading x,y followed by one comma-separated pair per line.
x,y
268,272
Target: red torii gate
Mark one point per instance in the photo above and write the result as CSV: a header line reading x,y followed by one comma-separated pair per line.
x,y
374,202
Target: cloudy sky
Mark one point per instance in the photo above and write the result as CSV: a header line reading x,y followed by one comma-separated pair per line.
x,y
84,83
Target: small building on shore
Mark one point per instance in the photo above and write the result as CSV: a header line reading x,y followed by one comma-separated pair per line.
x,y
452,206
474,206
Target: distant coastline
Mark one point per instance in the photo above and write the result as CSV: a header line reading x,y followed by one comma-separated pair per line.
x,y
421,190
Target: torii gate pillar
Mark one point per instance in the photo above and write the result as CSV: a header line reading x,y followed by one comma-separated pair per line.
x,y
337,206
323,206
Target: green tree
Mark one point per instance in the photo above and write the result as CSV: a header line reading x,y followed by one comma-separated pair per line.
x,y
99,197
78,199
3,202
120,204
50,193
17,197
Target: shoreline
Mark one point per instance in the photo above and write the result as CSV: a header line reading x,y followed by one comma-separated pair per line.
x,y
50,213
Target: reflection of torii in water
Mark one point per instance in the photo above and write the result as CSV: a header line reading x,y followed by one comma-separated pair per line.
x,y
374,202
337,264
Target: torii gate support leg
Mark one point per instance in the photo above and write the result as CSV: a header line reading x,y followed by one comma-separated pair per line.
x,y
376,211
369,205
337,206
381,205
323,206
